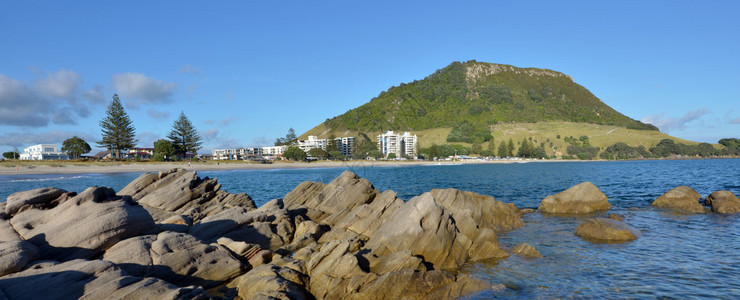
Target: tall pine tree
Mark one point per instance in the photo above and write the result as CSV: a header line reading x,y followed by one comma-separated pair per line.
x,y
184,136
118,130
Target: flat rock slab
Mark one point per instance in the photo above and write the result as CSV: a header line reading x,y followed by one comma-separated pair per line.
x,y
606,230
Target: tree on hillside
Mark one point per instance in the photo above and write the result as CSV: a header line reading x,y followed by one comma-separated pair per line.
x,y
510,148
163,150
118,130
184,137
362,146
476,147
294,153
289,138
75,147
492,147
331,144
503,151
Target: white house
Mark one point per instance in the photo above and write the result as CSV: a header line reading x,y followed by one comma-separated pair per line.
x,y
43,152
398,144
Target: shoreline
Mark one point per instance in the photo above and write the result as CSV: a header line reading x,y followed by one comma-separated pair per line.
x,y
66,168
123,167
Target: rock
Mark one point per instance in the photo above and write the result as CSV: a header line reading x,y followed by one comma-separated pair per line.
x,y
723,202
241,249
526,250
269,229
427,229
397,261
582,198
7,233
83,226
19,200
682,199
179,192
271,282
364,220
617,217
96,279
606,230
410,284
525,211
335,199
176,258
15,255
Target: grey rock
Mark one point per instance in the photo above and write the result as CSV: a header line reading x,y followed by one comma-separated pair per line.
x,y
41,196
271,282
526,250
582,198
83,226
15,255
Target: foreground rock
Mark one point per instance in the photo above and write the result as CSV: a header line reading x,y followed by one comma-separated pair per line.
x,y
96,279
606,230
582,198
179,192
681,199
82,226
526,250
342,240
723,202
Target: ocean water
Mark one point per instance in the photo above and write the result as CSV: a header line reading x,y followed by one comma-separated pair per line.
x,y
678,256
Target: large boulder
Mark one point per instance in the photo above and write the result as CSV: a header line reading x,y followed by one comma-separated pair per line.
x,y
723,202
15,255
411,284
177,258
681,199
96,279
364,220
526,250
83,226
426,228
39,197
270,282
606,230
180,192
582,198
7,233
335,199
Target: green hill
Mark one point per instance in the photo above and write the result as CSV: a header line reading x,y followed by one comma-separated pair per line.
x,y
481,94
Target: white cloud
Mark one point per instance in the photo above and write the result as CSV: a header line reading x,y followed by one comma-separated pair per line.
x,y
94,95
668,124
137,89
209,134
61,84
147,139
735,121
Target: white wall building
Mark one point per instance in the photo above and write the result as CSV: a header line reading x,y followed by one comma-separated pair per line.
x,y
312,142
399,144
345,145
43,152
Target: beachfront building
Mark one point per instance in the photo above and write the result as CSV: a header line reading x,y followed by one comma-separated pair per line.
x,y
312,142
141,153
43,152
345,144
273,152
248,153
399,144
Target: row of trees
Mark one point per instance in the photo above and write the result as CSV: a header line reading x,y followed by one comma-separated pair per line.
x,y
118,133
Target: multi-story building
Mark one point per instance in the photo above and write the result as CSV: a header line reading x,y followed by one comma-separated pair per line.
x,y
142,153
248,153
345,144
42,152
312,142
273,151
398,144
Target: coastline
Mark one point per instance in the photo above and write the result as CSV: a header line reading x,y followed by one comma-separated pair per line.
x,y
133,167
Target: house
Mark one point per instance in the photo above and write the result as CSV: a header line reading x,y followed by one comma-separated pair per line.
x,y
141,153
43,152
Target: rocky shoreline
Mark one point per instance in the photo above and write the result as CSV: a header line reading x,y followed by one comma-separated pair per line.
x,y
174,235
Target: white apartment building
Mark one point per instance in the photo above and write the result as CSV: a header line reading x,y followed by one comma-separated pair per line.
x,y
312,142
42,152
276,151
239,153
399,144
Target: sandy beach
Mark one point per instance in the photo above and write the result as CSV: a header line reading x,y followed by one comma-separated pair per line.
x,y
8,168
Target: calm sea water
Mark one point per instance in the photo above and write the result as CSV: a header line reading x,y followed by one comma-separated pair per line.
x,y
678,256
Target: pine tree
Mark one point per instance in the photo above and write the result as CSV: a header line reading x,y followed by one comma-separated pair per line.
x,y
510,149
503,151
184,136
118,130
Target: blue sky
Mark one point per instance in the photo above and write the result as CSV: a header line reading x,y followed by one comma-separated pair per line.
x,y
244,72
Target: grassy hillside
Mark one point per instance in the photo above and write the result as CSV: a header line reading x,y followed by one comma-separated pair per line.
x,y
481,94
600,136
